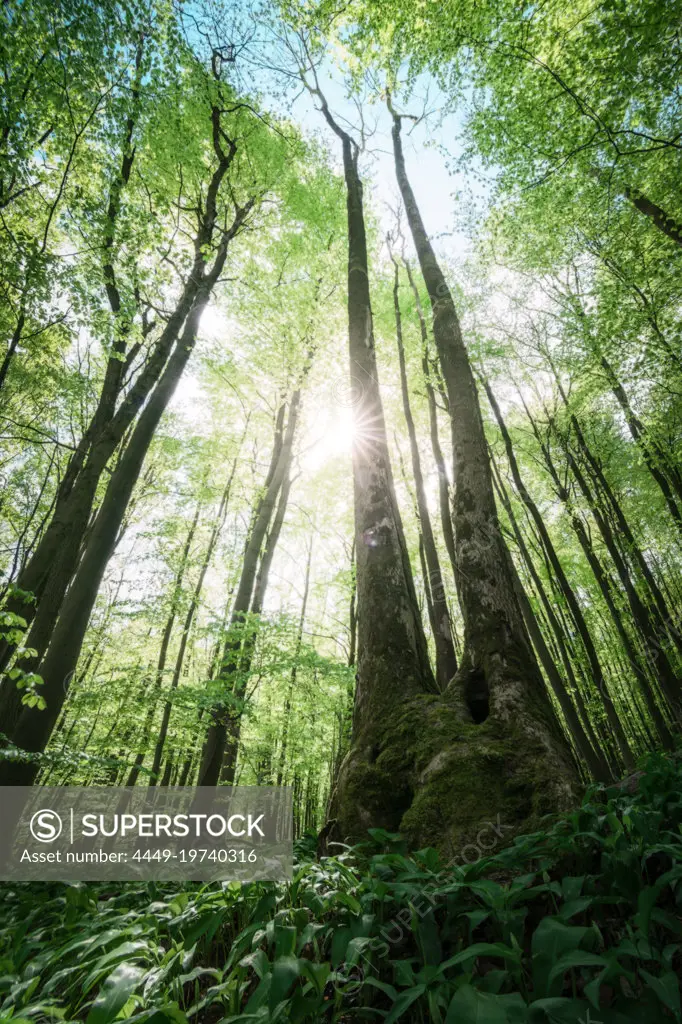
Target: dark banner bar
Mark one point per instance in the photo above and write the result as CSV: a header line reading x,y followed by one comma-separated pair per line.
x,y
241,833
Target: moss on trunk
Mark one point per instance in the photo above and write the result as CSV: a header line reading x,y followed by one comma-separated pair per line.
x,y
449,777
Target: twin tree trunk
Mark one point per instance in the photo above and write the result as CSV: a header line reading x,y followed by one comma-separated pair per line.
x,y
374,785
436,767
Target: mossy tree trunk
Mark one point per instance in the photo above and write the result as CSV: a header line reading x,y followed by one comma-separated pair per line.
x,y
374,787
492,745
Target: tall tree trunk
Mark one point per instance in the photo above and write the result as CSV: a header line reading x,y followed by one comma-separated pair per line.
x,y
167,633
586,745
563,643
497,701
446,659
665,673
664,473
438,457
374,785
581,534
56,555
667,620
585,749
51,569
228,769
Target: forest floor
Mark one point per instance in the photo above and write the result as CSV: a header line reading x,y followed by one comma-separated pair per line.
x,y
580,923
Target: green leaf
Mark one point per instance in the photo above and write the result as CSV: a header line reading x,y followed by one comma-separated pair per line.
x,y
578,958
470,1006
318,974
116,991
646,901
667,988
403,1002
559,1011
285,971
285,940
495,949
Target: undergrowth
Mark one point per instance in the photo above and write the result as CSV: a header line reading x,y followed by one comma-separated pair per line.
x,y
577,924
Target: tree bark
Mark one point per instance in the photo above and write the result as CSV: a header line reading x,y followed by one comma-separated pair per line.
x,y
586,745
374,786
286,717
56,555
664,671
438,457
497,701
563,642
228,769
446,659
581,534
655,458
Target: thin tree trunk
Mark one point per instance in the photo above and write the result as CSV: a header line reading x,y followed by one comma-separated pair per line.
x,y
12,347
594,764
438,457
163,654
596,670
57,667
632,548
446,659
223,723
189,619
286,716
581,534
559,631
244,660
51,568
586,746
641,618
655,458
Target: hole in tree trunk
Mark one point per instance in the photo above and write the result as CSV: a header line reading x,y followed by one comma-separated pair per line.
x,y
477,696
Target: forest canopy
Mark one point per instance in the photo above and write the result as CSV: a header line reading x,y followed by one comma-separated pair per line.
x,y
341,450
